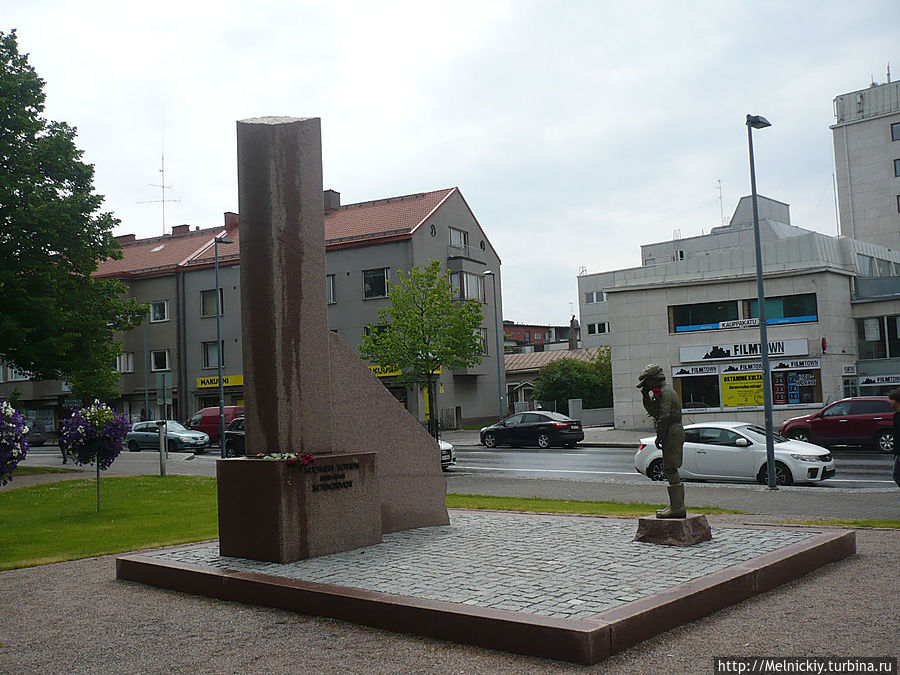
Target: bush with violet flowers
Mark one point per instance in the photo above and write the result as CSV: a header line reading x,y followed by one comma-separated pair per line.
x,y
94,434
13,444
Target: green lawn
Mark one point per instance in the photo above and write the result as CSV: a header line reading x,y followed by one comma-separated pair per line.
x,y
59,521
455,501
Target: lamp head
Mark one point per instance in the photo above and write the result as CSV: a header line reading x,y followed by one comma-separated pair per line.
x,y
224,240
758,122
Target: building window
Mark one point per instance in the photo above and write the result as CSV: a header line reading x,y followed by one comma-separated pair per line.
x,y
594,296
159,360
785,309
482,338
467,285
125,362
897,167
329,289
603,327
208,303
16,375
895,131
375,283
159,311
459,238
701,316
211,354
898,203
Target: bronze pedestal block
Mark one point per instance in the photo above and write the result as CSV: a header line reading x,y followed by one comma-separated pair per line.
x,y
673,531
278,512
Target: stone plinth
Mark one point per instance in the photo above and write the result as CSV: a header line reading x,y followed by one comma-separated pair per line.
x,y
673,531
277,512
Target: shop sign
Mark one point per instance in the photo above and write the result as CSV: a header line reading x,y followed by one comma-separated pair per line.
x,y
795,364
848,369
227,381
875,380
687,371
743,350
742,389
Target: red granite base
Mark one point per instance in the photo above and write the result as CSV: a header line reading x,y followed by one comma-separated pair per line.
x,y
277,512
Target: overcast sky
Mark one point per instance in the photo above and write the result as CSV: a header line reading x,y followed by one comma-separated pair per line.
x,y
576,131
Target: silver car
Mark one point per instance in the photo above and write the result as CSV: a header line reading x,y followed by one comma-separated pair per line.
x,y
177,437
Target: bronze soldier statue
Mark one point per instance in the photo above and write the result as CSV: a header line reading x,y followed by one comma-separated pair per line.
x,y
664,406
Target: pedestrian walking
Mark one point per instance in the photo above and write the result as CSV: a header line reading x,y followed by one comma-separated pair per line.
x,y
895,404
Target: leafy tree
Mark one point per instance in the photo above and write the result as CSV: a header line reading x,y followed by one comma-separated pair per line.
x,y
567,378
56,321
423,330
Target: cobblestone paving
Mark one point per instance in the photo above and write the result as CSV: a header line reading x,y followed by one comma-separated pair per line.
x,y
560,566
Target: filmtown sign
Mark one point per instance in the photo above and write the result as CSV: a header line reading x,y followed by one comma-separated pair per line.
x,y
743,350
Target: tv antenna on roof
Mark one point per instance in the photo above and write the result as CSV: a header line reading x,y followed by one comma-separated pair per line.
x,y
721,208
163,187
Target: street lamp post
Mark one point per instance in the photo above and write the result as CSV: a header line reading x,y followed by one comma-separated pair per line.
x,y
759,122
220,240
493,277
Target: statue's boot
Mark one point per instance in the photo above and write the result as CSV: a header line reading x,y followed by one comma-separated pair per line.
x,y
676,503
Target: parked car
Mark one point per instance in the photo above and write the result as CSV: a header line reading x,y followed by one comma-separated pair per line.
x,y
448,454
35,436
146,435
737,451
234,438
207,420
537,427
867,420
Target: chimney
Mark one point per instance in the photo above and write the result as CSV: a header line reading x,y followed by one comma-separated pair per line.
x,y
573,333
181,229
231,220
332,200
126,238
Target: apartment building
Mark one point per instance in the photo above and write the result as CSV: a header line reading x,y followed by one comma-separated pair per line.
x,y
169,364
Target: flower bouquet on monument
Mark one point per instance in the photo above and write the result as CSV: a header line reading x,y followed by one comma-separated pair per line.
x,y
95,434
13,444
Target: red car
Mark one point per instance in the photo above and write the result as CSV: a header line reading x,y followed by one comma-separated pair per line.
x,y
865,420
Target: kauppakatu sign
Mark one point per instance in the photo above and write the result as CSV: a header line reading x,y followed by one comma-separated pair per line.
x,y
743,350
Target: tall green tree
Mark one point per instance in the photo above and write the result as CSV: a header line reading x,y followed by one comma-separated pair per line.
x,y
424,329
56,321
567,378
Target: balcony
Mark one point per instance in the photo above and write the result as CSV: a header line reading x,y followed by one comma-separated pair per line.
x,y
466,252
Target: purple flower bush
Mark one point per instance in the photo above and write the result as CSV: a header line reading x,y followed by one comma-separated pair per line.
x,y
96,433
13,445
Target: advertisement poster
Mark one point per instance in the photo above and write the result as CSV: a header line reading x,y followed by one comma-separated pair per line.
x,y
744,389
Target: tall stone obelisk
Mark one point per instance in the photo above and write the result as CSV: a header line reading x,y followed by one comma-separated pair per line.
x,y
285,316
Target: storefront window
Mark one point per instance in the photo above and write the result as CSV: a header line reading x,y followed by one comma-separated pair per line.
x,y
701,391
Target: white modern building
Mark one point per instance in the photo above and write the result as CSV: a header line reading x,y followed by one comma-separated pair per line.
x,y
692,308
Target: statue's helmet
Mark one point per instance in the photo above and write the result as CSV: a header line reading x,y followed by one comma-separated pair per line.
x,y
652,375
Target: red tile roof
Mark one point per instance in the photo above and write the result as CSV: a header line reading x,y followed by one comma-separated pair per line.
x,y
350,225
383,218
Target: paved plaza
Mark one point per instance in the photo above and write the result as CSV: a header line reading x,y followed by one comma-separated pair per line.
x,y
557,566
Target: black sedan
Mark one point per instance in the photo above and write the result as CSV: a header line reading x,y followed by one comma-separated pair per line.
x,y
234,438
538,427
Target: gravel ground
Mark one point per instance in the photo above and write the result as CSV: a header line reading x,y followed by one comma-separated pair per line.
x,y
76,617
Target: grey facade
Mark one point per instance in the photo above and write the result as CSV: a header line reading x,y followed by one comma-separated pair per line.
x,y
866,136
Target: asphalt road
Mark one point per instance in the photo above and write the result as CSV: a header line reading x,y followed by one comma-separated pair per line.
x,y
856,469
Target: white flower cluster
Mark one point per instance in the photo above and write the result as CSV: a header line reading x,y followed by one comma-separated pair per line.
x,y
10,436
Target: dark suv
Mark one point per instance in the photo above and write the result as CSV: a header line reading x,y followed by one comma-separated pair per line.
x,y
234,438
850,421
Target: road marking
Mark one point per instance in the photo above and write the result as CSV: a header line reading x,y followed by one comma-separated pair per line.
x,y
499,468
